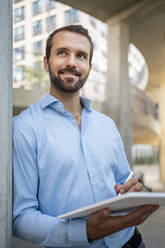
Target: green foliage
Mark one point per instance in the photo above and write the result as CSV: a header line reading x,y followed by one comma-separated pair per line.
x,y
36,77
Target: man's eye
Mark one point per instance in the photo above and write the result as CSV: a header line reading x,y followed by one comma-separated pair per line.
x,y
82,56
61,53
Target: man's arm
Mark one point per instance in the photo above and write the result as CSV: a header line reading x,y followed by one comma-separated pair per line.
x,y
29,222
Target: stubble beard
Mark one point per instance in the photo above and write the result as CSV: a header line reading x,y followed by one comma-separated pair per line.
x,y
63,86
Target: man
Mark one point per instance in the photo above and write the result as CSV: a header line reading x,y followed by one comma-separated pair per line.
x,y
67,155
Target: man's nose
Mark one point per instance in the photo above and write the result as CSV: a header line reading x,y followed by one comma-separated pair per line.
x,y
71,60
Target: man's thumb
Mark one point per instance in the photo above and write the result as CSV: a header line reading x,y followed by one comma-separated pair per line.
x,y
102,215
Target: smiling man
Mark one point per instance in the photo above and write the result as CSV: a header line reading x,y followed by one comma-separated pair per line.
x,y
67,155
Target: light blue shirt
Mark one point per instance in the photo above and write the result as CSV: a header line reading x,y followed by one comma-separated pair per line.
x,y
59,168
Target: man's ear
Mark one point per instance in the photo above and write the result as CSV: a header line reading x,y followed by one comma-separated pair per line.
x,y
46,64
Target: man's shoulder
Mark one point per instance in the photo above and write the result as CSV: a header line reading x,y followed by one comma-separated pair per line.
x,y
28,117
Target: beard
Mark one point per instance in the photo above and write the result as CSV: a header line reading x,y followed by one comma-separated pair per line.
x,y
65,86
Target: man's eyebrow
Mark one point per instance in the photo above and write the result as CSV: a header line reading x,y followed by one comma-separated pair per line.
x,y
62,48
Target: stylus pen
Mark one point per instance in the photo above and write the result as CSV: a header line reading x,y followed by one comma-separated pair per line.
x,y
129,177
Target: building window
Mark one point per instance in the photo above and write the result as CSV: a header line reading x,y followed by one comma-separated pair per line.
x,y
19,33
50,4
37,48
16,1
50,23
37,27
18,73
37,7
19,53
19,14
71,16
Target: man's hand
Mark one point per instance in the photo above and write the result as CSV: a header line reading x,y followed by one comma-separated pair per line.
x,y
101,224
131,186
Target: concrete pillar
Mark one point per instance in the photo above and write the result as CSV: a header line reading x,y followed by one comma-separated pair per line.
x,y
162,133
118,102
5,122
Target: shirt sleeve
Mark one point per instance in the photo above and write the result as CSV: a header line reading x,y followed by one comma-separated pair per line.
x,y
29,222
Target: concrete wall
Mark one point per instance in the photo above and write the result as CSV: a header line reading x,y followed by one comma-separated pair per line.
x,y
5,122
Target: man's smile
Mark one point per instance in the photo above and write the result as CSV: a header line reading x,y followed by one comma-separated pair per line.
x,y
70,72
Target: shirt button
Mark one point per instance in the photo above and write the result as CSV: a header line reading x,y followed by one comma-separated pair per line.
x,y
94,184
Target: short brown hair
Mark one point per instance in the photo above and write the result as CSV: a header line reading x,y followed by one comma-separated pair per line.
x,y
72,28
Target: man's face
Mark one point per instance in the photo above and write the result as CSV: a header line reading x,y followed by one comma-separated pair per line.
x,y
68,65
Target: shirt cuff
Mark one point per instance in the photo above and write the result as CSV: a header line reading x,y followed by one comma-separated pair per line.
x,y
77,232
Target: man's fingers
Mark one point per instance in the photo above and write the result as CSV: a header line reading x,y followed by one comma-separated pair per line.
x,y
146,213
140,211
140,214
136,188
131,186
117,188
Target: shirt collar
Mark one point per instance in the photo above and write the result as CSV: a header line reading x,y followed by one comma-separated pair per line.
x,y
48,99
86,102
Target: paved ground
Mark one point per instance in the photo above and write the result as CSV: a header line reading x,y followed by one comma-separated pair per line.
x,y
153,230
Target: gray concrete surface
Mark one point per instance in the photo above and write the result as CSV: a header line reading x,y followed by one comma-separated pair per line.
x,y
5,122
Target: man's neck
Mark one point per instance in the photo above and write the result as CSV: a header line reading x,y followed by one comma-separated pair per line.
x,y
71,101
